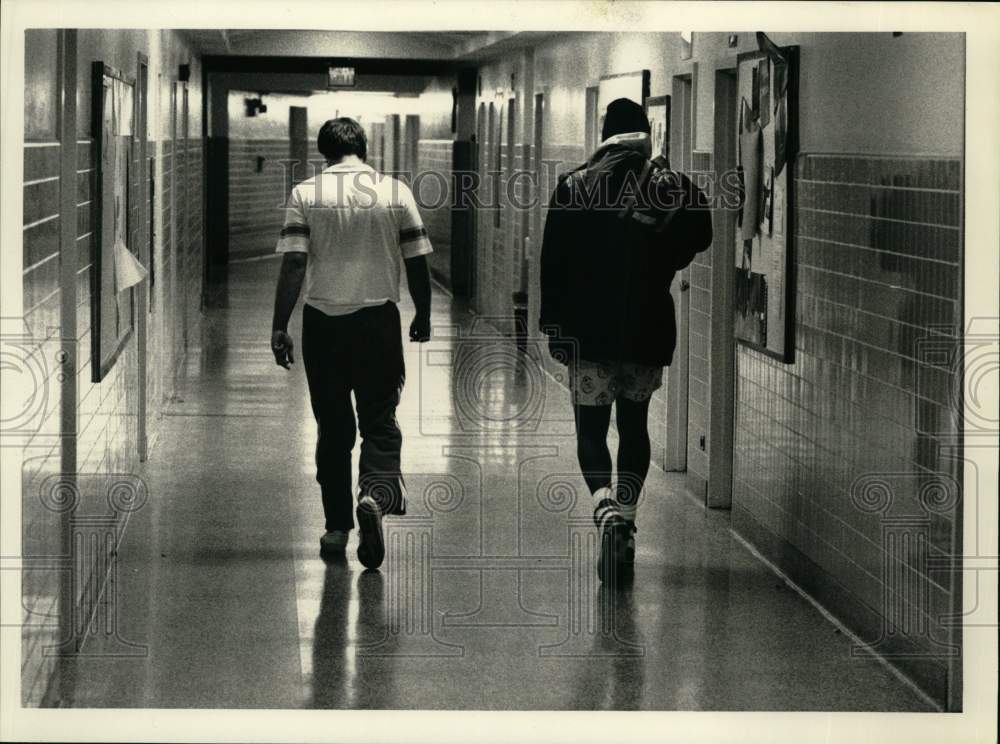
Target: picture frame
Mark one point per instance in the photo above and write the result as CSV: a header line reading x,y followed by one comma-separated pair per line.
x,y
113,123
658,113
763,250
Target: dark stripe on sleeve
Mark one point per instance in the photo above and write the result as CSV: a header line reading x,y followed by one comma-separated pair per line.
x,y
412,233
295,230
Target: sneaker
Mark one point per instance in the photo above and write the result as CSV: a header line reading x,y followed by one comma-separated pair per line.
x,y
371,547
334,542
617,560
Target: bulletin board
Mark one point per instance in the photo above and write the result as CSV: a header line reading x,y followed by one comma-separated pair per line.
x,y
658,113
112,312
767,141
631,85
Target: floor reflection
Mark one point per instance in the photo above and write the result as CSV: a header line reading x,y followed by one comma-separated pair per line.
x,y
615,676
351,620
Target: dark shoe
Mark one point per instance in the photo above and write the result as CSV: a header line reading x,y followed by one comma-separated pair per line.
x,y
617,562
371,546
334,542
630,545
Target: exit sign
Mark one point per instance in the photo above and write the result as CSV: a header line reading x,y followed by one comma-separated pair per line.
x,y
340,77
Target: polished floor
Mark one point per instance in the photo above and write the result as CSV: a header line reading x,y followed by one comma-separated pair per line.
x,y
488,598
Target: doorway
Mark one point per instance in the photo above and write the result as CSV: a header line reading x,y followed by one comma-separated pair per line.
x,y
144,249
681,144
539,196
182,181
478,165
591,117
722,386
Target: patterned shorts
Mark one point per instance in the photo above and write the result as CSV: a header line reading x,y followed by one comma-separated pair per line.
x,y
600,383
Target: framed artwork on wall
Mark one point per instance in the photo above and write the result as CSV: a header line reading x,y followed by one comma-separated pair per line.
x,y
766,146
658,113
112,300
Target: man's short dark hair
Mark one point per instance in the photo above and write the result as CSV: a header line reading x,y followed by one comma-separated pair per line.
x,y
340,137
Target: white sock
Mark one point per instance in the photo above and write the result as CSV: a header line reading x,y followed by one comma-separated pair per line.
x,y
627,511
605,508
629,507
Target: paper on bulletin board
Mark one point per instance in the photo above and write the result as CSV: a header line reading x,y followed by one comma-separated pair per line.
x,y
122,108
779,206
128,270
764,91
750,150
780,135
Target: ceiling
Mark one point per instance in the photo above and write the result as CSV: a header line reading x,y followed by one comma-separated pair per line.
x,y
429,45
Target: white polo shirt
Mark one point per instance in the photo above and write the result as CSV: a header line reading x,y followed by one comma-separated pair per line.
x,y
357,226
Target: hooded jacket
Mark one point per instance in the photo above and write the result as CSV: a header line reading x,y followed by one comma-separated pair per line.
x,y
618,228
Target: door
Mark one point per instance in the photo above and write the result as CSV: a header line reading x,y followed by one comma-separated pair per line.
x,y
512,247
477,167
411,144
722,386
675,455
169,282
298,146
144,251
183,237
591,116
391,152
533,243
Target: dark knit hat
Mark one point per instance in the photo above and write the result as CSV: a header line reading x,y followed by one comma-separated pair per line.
x,y
624,115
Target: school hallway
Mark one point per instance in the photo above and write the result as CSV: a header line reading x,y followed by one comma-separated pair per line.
x,y
805,533
488,597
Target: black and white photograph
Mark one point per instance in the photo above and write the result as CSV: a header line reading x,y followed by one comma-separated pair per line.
x,y
514,372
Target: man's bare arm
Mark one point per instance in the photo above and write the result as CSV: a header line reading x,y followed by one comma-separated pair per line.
x,y
418,278
293,272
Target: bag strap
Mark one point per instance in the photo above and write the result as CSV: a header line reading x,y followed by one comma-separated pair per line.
x,y
629,209
660,222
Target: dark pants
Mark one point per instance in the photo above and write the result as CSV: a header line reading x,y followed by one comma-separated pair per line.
x,y
360,352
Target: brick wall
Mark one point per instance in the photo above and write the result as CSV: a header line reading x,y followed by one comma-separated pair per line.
x,y
878,271
98,438
256,196
699,276
436,194
40,332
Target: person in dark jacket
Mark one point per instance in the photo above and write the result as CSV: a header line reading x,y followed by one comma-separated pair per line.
x,y
617,231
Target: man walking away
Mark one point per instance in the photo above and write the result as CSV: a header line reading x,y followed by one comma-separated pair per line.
x,y
618,229
348,233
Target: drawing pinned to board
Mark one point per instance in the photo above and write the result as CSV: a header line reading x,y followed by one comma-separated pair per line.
x,y
764,91
750,153
658,113
780,135
128,270
778,63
